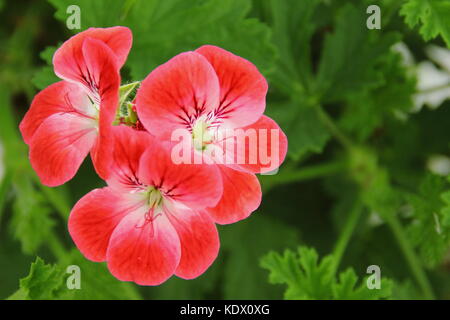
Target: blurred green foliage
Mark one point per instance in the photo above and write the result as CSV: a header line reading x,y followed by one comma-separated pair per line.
x,y
355,188
307,278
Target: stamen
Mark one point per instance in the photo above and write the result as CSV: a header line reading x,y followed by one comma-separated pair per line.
x,y
148,218
153,201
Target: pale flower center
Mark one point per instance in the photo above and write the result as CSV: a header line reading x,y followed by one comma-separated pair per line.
x,y
154,197
201,136
154,209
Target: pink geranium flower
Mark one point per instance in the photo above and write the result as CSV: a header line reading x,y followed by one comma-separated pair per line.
x,y
150,221
208,92
71,118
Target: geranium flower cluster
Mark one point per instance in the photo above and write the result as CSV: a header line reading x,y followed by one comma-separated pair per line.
x,y
157,215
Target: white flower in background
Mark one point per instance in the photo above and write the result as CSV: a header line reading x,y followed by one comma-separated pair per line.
x,y
403,50
374,219
440,55
439,164
433,83
433,77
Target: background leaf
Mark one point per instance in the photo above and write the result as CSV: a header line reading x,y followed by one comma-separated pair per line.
x,y
432,15
308,278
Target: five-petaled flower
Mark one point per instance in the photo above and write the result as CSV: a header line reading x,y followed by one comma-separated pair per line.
x,y
205,92
150,221
71,118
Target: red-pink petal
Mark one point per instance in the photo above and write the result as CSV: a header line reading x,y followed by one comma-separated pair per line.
x,y
146,253
242,87
129,145
195,185
199,241
60,97
176,93
106,79
68,59
60,145
261,147
94,218
241,196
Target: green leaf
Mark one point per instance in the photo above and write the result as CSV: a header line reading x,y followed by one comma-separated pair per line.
x,y
350,55
96,282
346,288
445,212
99,13
9,133
305,131
42,283
293,23
163,29
368,110
349,67
50,282
431,15
308,278
48,52
429,229
175,26
31,222
44,77
16,52
5,183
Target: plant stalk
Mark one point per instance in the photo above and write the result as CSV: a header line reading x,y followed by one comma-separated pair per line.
x,y
346,234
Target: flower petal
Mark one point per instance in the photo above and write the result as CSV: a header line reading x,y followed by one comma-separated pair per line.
x,y
261,147
241,196
195,185
105,80
129,145
60,97
146,253
68,59
94,218
243,88
176,93
60,145
199,241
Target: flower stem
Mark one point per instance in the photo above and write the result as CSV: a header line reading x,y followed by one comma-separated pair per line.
x,y
306,173
397,229
411,257
333,128
346,233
